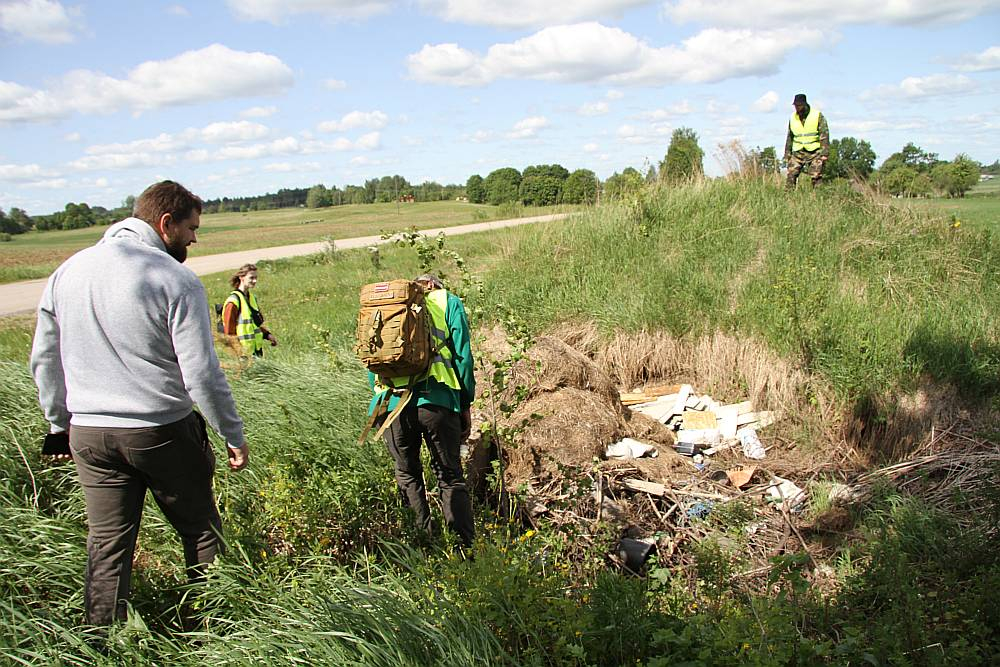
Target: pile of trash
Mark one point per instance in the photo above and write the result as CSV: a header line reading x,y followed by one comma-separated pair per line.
x,y
654,462
663,465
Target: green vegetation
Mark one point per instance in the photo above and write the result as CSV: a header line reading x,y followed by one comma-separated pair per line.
x,y
684,157
868,298
37,254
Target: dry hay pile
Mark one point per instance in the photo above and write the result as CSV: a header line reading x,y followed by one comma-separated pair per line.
x,y
566,411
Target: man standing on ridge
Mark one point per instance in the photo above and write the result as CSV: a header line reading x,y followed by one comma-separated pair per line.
x,y
438,412
807,146
123,350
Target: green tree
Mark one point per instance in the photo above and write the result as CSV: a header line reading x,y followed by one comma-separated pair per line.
x,y
921,186
16,222
540,190
502,185
621,185
957,177
899,181
849,158
318,197
556,171
912,156
684,157
474,189
580,187
77,216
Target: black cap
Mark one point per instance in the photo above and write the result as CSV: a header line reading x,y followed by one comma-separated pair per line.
x,y
800,99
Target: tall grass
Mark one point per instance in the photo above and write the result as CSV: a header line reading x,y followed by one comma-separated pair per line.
x,y
832,287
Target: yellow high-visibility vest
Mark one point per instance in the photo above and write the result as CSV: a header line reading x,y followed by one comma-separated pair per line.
x,y
805,135
248,333
441,367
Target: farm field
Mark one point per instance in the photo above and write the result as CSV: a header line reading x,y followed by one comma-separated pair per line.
x,y
979,208
873,329
37,254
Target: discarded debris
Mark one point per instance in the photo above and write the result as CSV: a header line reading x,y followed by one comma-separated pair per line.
x,y
785,491
740,477
629,448
752,449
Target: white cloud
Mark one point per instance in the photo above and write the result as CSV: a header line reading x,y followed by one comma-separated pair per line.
x,y
72,137
593,109
655,134
986,61
48,184
279,11
40,20
676,109
527,127
258,112
221,133
162,143
212,73
481,136
365,161
716,108
872,126
24,173
614,95
288,167
334,84
525,13
375,120
765,102
591,52
121,161
916,87
590,148
766,13
178,10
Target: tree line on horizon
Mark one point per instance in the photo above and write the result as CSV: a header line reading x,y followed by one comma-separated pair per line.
x,y
910,172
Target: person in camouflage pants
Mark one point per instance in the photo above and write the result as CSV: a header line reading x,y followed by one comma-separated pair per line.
x,y
807,145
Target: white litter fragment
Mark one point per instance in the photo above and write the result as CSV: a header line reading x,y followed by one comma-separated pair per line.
x,y
627,448
786,491
661,409
702,436
752,449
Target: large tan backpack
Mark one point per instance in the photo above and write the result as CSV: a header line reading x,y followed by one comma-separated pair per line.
x,y
393,336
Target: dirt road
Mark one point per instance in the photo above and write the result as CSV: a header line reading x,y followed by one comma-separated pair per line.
x,y
23,296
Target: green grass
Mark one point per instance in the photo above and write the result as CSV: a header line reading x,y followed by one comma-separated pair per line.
x,y
867,297
37,254
979,209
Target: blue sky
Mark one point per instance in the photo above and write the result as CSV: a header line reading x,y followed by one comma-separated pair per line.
x,y
242,97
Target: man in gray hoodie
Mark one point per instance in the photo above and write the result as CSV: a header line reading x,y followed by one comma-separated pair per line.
x,y
122,351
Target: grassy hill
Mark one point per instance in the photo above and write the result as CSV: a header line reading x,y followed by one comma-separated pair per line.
x,y
875,306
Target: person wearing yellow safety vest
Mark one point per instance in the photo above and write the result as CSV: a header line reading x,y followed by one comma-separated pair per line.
x,y
807,146
241,316
437,412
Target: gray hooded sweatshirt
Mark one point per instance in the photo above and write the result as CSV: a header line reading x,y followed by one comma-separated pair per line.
x,y
124,339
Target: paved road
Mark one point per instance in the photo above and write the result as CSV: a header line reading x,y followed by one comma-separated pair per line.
x,y
23,296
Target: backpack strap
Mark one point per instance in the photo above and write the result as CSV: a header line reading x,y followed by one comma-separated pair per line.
x,y
380,410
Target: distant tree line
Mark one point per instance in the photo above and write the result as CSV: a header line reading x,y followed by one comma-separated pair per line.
x,y
537,185
911,172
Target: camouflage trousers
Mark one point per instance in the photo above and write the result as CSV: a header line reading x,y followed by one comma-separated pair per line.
x,y
800,161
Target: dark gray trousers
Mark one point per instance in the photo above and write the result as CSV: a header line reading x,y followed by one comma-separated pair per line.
x,y
115,467
442,430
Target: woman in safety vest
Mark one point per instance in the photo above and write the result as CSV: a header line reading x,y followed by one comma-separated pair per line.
x,y
241,316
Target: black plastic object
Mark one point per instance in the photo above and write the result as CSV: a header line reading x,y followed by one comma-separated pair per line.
x,y
634,553
56,444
